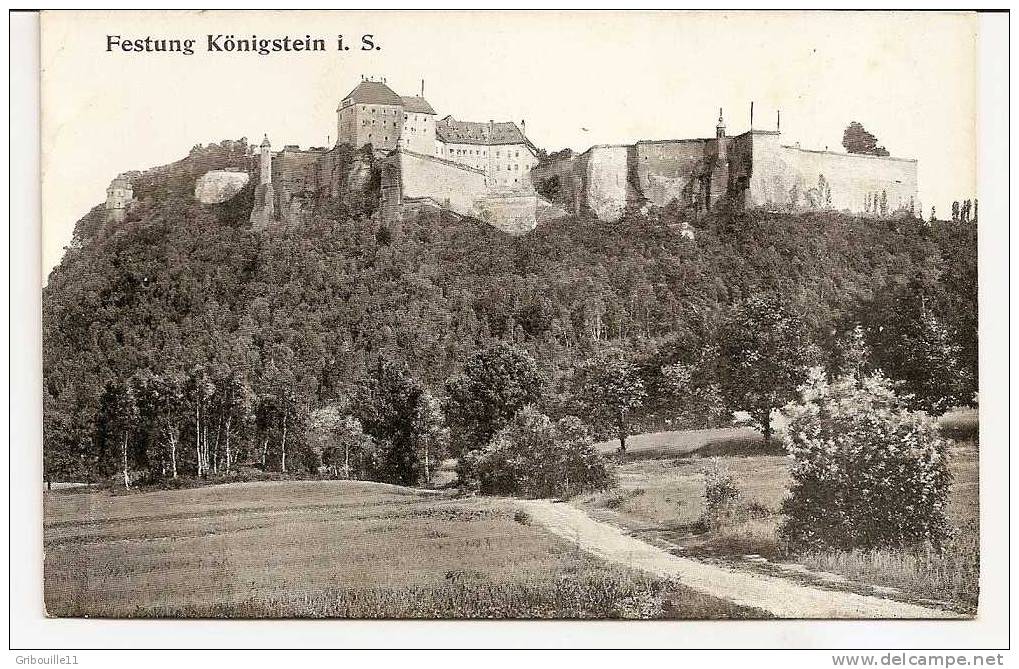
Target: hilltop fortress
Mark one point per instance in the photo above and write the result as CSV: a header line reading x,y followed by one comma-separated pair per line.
x,y
752,170
397,146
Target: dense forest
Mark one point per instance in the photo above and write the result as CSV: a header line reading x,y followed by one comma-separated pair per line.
x,y
180,343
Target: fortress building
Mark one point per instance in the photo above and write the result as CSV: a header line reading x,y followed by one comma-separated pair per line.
x,y
500,150
119,196
263,213
487,170
373,113
752,170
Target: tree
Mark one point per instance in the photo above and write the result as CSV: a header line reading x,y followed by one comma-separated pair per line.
x,y
610,391
764,353
532,456
867,472
118,418
391,405
282,410
236,406
820,197
914,347
168,394
496,383
198,391
340,444
856,139
851,354
431,433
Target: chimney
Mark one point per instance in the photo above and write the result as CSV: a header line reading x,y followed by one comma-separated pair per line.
x,y
422,88
491,128
751,114
778,121
523,127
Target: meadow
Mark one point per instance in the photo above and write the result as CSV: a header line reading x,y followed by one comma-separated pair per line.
x,y
332,549
660,498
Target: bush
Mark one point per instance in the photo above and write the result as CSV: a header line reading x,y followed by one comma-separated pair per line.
x,y
867,473
721,496
534,457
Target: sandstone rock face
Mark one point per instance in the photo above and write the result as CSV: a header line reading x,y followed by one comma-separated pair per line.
x,y
219,186
360,174
607,183
515,214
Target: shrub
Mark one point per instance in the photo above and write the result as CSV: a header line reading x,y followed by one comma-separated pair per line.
x,y
867,472
721,495
534,457
522,517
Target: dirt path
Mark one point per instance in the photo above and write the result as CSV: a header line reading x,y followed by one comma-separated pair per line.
x,y
780,597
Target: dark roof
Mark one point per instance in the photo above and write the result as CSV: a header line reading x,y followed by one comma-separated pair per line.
x,y
373,93
416,104
474,132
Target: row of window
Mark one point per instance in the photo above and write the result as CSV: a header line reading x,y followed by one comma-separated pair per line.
x,y
472,152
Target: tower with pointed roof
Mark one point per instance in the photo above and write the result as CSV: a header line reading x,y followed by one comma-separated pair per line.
x,y
264,211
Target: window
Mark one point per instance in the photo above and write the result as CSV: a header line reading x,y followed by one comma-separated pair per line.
x,y
496,154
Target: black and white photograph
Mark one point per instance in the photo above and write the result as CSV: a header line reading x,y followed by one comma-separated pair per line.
x,y
512,315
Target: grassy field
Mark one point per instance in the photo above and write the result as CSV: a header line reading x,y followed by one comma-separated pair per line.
x,y
690,443
331,549
661,498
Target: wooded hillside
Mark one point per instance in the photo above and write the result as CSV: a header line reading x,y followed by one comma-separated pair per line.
x,y
184,305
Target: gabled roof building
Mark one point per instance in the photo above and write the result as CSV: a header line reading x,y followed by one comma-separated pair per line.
x,y
373,113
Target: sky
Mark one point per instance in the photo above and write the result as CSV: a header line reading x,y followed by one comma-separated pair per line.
x,y
577,78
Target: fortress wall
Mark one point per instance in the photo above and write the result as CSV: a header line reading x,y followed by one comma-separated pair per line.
x,y
787,176
295,183
516,213
512,213
569,173
606,181
441,180
331,171
341,170
665,169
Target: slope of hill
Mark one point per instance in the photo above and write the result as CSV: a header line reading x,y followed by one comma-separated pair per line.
x,y
180,286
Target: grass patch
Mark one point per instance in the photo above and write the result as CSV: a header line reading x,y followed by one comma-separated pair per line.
x,y
951,575
665,496
961,425
712,442
317,549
